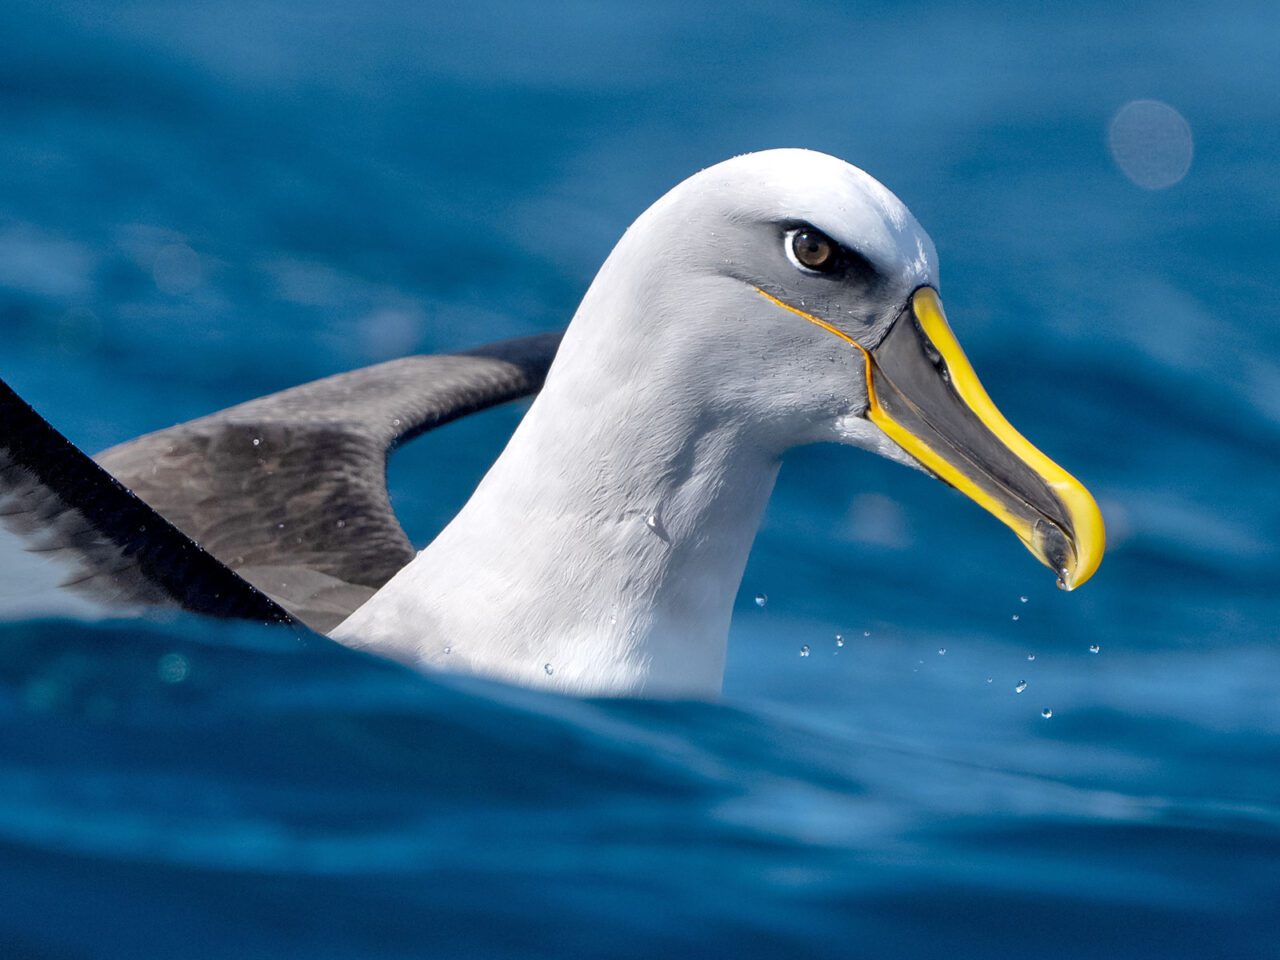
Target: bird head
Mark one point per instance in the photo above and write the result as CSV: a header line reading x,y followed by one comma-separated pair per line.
x,y
795,292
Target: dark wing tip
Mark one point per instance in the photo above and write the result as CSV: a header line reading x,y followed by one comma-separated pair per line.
x,y
120,549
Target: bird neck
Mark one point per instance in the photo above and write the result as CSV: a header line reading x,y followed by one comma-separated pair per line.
x,y
603,551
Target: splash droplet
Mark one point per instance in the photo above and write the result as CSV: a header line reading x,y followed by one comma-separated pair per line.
x,y
761,599
839,640
448,649
1016,617
990,679
257,441
1031,656
1046,713
1023,599
340,524
548,669
173,668
177,269
1021,685
804,651
942,651
1151,143
651,521
866,633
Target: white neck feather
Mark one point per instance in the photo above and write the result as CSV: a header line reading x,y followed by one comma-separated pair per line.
x,y
603,551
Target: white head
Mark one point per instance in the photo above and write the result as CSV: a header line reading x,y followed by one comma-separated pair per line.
x,y
792,292
774,300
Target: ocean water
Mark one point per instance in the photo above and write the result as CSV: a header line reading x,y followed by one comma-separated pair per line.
x,y
201,203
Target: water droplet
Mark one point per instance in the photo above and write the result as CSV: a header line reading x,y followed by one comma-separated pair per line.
x,y
942,651
1016,617
548,669
1062,580
1046,713
1021,685
1023,599
866,633
340,524
1031,656
761,599
1094,648
804,651
448,649
173,668
990,679
177,270
1151,143
651,521
613,618
257,441
279,526
839,640
395,421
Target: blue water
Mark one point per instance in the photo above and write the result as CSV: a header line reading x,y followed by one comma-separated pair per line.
x,y
200,203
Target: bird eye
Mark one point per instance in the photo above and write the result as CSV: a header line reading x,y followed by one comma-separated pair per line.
x,y
814,250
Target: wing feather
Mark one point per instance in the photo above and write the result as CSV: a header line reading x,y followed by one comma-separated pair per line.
x,y
291,490
114,547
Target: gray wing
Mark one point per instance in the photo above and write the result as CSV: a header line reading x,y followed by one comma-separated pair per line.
x,y
290,490
111,545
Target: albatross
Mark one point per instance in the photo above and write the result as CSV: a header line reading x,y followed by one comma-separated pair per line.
x,y
774,300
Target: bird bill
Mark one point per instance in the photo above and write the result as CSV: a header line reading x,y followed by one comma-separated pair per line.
x,y
925,395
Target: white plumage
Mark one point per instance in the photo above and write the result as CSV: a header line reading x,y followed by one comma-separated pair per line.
x,y
603,551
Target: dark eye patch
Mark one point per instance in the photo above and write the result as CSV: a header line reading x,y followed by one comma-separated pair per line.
x,y
817,251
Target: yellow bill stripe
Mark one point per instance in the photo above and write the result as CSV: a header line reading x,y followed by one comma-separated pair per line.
x,y
1088,535
1086,520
